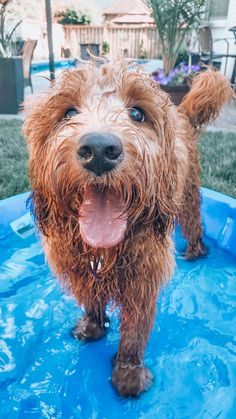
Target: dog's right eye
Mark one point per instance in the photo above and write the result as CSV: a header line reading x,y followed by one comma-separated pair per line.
x,y
137,114
70,113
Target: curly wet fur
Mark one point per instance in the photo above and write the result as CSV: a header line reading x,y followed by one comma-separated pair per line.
x,y
159,181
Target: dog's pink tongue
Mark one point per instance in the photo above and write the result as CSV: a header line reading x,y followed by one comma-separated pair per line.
x,y
102,218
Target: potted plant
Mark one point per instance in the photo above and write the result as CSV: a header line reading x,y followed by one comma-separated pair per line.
x,y
105,48
142,52
11,68
174,19
178,81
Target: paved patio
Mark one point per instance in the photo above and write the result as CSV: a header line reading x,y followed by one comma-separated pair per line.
x,y
226,121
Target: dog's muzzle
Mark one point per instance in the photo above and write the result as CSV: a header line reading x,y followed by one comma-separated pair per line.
x,y
100,152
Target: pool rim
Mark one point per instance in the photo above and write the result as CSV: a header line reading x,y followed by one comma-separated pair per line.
x,y
218,215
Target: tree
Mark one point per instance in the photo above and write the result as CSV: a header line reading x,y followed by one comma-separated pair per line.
x,y
6,31
71,17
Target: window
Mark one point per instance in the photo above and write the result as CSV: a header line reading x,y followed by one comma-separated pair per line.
x,y
218,9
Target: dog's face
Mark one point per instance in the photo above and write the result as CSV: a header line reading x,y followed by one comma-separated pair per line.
x,y
101,144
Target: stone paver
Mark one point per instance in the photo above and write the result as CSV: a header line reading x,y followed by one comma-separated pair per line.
x,y
226,121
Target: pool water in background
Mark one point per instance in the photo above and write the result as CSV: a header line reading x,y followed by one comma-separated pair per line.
x,y
45,373
41,75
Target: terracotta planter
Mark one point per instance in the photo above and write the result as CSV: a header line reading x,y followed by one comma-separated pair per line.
x,y
177,92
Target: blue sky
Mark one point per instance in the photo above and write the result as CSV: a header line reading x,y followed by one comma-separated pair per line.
x,y
101,4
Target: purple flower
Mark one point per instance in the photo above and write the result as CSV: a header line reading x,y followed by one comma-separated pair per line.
x,y
177,75
195,68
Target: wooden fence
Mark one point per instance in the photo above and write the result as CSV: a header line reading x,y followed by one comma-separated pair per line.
x,y
134,40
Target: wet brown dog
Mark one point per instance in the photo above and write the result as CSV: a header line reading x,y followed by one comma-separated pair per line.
x,y
113,164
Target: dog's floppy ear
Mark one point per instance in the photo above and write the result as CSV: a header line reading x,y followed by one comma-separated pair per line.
x,y
163,224
165,204
155,197
165,212
38,125
39,208
39,117
46,212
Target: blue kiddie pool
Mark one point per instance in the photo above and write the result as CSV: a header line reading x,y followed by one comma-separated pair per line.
x,y
45,373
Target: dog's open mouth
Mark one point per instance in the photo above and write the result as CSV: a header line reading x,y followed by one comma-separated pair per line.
x,y
103,219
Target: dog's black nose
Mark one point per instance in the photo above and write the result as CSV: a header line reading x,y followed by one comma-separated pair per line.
x,y
100,152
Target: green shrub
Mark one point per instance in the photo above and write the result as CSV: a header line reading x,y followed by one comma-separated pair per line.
x,y
71,17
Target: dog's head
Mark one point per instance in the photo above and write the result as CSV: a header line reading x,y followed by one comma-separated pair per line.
x,y
101,145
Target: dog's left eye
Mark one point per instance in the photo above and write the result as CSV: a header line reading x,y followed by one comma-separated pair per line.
x,y
71,112
137,114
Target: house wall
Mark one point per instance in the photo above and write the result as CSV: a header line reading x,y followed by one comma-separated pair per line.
x,y
220,29
30,29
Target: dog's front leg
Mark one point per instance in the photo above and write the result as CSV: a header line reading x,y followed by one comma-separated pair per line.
x,y
129,376
141,281
94,325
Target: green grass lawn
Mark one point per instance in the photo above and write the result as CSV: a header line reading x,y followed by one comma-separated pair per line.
x,y
218,161
217,149
13,159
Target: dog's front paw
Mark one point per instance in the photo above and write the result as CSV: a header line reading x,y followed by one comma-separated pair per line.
x,y
88,329
131,380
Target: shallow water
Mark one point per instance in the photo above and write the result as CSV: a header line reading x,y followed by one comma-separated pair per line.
x,y
45,373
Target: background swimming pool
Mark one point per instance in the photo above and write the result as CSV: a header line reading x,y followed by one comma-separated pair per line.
x,y
192,349
40,70
37,67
